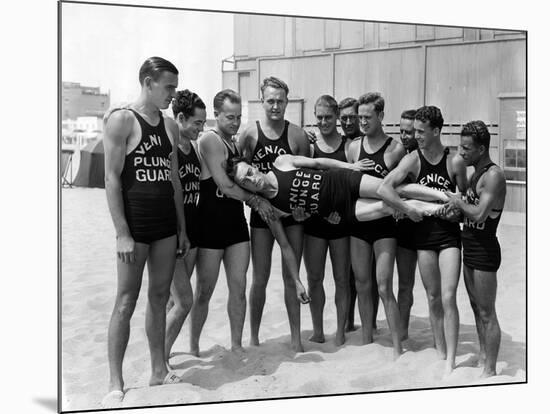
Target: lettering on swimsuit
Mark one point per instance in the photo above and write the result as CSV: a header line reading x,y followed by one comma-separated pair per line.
x,y
436,181
304,192
472,199
380,170
260,161
148,168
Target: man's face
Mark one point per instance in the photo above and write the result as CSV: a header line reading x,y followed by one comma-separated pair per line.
x,y
469,151
326,119
192,126
369,120
229,117
406,131
424,133
349,121
163,90
274,102
249,177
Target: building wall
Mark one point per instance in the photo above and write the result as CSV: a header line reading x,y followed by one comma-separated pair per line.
x,y
78,100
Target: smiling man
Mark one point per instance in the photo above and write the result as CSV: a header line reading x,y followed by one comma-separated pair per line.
x,y
262,142
437,239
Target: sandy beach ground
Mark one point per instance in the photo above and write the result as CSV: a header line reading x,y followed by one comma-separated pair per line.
x,y
272,369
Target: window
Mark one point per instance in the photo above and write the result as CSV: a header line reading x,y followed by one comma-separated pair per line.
x,y
515,153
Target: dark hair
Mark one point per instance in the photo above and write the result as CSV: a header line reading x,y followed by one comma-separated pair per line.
x,y
221,96
348,102
431,114
374,98
478,131
231,165
274,83
408,114
327,100
153,67
186,102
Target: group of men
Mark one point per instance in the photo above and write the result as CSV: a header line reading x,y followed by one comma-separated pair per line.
x,y
175,208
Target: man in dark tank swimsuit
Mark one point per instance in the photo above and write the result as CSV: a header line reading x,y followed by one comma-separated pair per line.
x,y
190,114
437,239
482,209
223,234
145,201
262,142
375,238
322,235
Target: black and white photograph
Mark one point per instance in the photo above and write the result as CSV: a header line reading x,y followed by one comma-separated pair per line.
x,y
276,204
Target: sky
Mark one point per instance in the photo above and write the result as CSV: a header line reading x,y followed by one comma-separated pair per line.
x,y
105,46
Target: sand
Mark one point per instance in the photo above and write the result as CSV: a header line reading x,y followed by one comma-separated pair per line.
x,y
271,370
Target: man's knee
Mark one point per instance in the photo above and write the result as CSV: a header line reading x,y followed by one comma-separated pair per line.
x,y
203,293
487,313
125,306
448,299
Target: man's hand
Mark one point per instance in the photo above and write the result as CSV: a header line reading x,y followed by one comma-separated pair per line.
x,y
183,245
302,293
363,165
333,218
448,212
454,199
125,249
265,209
299,214
398,215
414,214
311,136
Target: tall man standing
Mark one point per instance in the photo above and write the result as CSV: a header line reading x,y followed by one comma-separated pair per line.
x,y
405,256
376,236
145,201
482,210
263,142
223,228
349,122
437,240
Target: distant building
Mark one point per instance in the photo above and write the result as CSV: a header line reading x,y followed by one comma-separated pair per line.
x,y
83,101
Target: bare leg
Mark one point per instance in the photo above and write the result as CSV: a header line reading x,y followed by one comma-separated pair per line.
x,y
261,246
161,261
449,263
406,265
208,270
235,261
369,186
350,323
428,264
295,235
486,288
470,288
340,258
315,255
129,276
384,250
374,291
181,293
361,258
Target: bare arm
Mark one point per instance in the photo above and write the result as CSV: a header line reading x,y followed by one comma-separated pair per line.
x,y
299,141
213,154
247,142
494,186
326,163
183,241
118,130
289,258
388,188
459,173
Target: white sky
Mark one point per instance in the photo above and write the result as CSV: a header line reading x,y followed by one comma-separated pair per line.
x,y
105,46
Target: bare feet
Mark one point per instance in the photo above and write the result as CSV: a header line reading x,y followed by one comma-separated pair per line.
x,y
350,327
113,399
169,378
339,339
254,341
488,373
297,346
449,367
195,350
367,337
317,337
